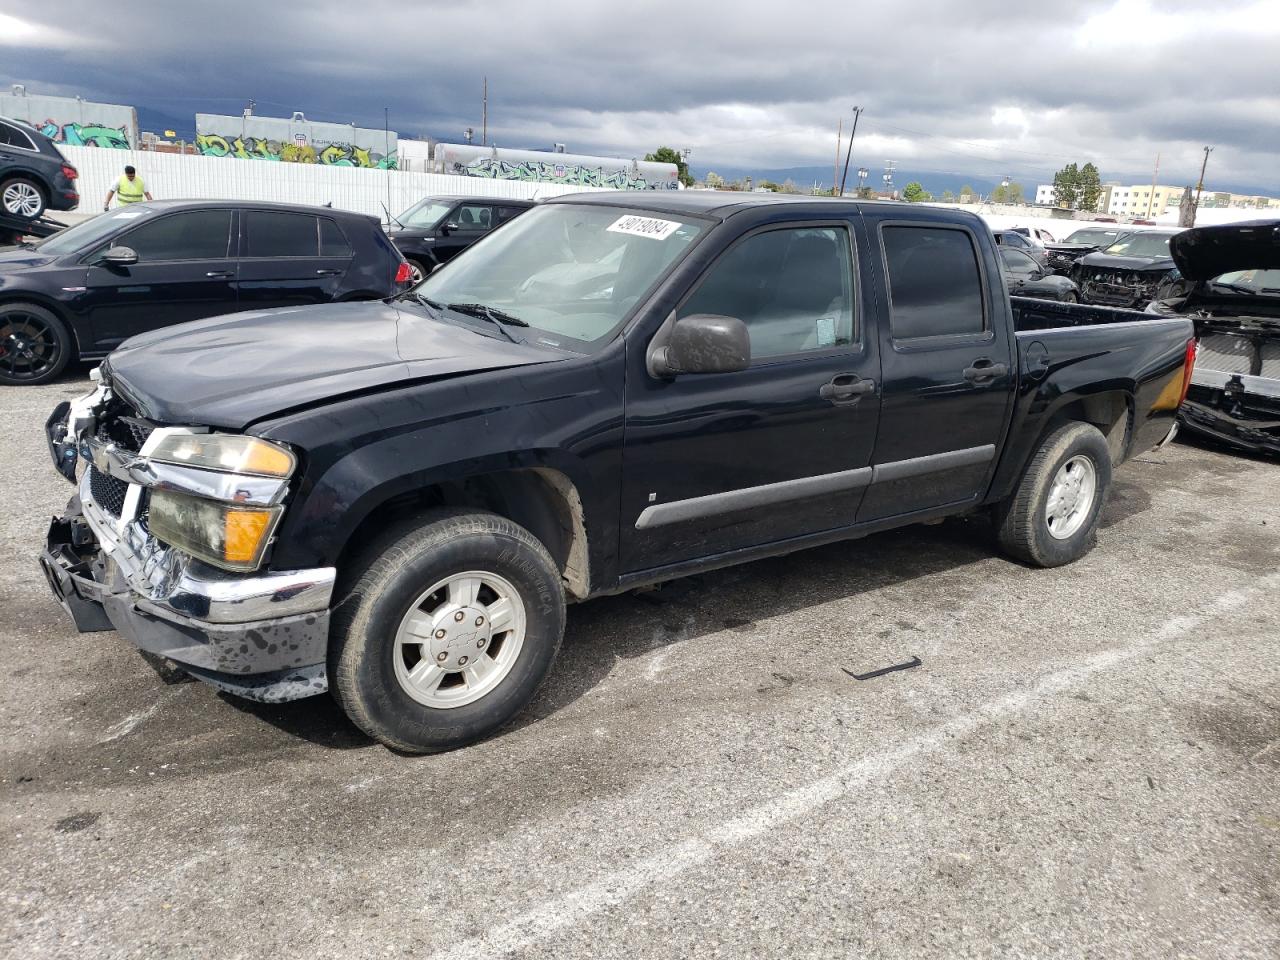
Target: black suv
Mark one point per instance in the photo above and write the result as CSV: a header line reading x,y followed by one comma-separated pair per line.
x,y
34,177
83,291
435,229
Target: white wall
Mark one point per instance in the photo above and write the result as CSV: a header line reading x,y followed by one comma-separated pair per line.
x,y
173,176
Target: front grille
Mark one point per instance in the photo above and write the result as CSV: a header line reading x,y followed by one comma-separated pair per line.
x,y
107,491
128,433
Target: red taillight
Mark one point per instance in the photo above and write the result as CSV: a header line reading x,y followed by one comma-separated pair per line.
x,y
1187,368
69,171
404,273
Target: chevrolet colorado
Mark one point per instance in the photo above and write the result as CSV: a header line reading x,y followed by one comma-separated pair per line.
x,y
395,500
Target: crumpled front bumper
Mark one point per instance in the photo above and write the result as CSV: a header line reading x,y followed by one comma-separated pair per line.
x,y
263,636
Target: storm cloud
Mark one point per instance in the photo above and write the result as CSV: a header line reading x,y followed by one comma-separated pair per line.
x,y
983,88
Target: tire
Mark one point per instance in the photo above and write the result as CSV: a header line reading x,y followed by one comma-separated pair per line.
x,y
22,197
35,345
420,270
1026,530
1070,297
371,667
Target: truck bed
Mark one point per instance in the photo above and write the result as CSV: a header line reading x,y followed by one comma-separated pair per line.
x,y
1029,315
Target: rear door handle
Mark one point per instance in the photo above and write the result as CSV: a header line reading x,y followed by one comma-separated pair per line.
x,y
327,273
846,388
985,370
220,274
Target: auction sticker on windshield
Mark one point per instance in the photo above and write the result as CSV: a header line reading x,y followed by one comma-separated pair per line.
x,y
650,227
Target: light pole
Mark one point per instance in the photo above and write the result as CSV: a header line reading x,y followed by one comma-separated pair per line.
x,y
858,112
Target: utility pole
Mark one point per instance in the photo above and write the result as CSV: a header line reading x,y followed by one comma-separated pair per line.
x,y
835,167
1200,184
484,115
1154,177
857,112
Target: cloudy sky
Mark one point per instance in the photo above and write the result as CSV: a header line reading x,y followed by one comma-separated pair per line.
x,y
979,88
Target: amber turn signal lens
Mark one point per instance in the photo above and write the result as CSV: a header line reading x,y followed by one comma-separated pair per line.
x,y
245,530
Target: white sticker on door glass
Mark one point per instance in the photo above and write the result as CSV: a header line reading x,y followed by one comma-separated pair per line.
x,y
650,227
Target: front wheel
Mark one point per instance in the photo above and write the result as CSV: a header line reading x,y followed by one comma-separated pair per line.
x,y
446,629
1052,517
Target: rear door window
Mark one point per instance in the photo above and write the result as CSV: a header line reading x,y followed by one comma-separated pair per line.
x,y
1019,264
195,235
269,233
11,136
333,243
935,284
474,216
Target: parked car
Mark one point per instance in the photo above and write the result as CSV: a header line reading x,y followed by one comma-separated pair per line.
x,y
34,176
1025,277
1018,241
1061,256
1127,273
1231,275
85,290
404,516
436,229
1037,235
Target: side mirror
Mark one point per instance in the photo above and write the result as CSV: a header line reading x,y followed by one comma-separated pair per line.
x,y
119,257
448,228
702,343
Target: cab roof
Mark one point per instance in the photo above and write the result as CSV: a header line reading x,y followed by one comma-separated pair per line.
x,y
723,203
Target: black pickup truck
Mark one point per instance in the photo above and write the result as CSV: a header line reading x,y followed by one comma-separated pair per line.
x,y
395,500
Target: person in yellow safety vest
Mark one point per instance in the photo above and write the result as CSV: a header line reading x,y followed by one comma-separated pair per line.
x,y
130,189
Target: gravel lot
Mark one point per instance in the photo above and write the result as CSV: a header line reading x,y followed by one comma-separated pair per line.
x,y
1086,764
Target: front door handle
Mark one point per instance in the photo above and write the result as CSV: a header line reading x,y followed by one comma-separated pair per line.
x,y
220,274
846,388
327,273
985,370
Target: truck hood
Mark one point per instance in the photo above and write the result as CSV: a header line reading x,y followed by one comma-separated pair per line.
x,y
1107,261
1207,252
233,370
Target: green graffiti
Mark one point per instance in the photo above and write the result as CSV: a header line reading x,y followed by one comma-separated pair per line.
x,y
86,135
259,148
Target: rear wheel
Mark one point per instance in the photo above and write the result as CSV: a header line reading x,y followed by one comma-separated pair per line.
x,y
35,345
1052,517
418,270
23,198
1070,297
447,627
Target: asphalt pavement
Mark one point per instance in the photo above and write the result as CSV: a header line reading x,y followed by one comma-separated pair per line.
x,y
1085,764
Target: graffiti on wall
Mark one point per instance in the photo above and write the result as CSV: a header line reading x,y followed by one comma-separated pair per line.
x,y
260,148
545,171
85,134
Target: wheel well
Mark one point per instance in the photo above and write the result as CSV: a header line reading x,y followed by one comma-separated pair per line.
x,y
1111,413
543,501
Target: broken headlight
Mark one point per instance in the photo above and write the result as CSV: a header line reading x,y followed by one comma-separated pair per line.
x,y
226,535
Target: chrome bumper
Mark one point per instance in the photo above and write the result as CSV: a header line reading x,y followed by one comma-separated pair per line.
x,y
263,635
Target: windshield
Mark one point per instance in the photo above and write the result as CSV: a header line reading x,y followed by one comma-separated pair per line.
x,y
571,272
425,214
1259,281
90,233
1093,236
1141,245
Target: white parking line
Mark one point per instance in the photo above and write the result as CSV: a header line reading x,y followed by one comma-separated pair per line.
x,y
610,889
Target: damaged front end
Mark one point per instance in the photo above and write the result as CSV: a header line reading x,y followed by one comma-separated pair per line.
x,y
1235,387
250,631
1120,286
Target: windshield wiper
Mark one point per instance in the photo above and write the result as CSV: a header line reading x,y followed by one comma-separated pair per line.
x,y
495,316
1237,287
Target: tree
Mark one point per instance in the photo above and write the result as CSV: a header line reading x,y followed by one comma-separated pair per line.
x,y
865,193
948,196
668,155
913,192
1008,193
1066,187
714,181
966,194
1090,187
